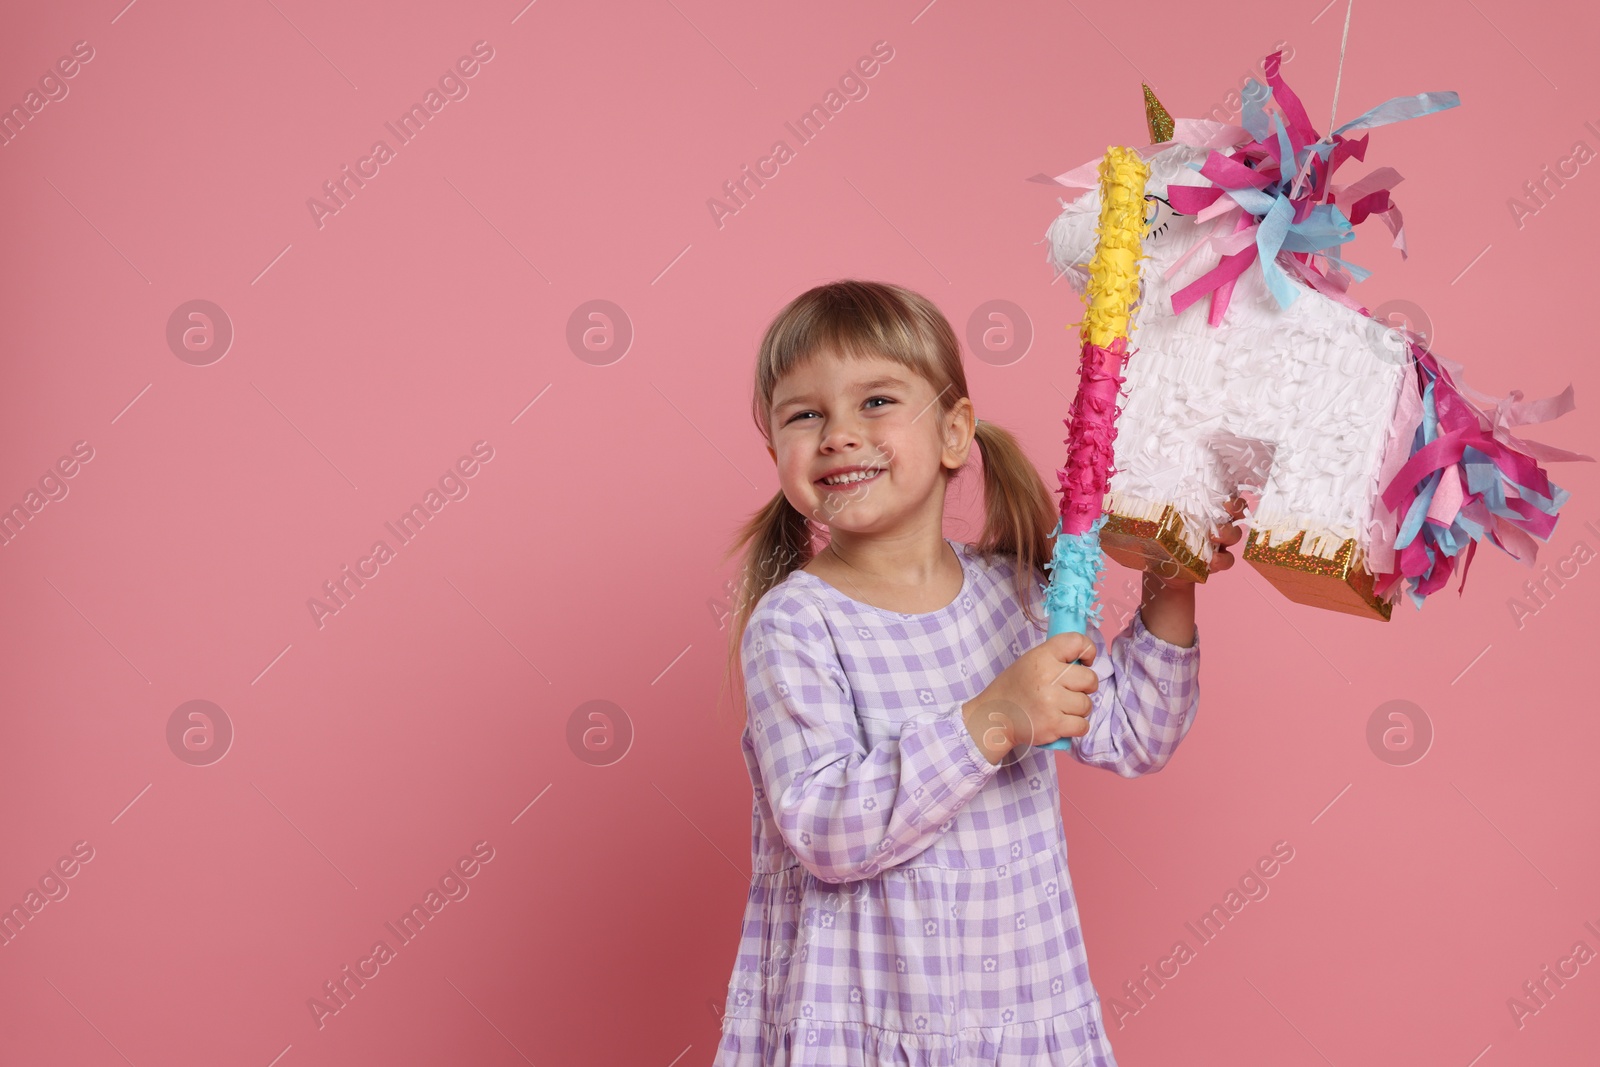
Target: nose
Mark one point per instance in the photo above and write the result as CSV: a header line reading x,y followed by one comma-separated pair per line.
x,y
842,434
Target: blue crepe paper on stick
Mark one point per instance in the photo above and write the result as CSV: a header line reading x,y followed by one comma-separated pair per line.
x,y
1075,567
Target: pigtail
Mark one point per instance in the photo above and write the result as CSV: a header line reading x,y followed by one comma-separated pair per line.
x,y
1019,515
777,540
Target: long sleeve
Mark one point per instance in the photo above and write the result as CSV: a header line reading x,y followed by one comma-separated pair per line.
x,y
844,810
1147,698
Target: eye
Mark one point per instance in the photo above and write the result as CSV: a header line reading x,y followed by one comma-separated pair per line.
x,y
1158,214
869,400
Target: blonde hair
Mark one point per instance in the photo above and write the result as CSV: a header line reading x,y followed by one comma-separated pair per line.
x,y
857,319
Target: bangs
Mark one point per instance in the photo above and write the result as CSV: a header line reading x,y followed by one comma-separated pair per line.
x,y
855,321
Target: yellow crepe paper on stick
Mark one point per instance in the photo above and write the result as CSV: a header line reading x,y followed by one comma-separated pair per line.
x,y
1111,294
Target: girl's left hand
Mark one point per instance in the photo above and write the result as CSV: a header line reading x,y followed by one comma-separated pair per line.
x,y
1227,534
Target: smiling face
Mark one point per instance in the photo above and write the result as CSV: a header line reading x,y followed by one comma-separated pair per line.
x,y
874,423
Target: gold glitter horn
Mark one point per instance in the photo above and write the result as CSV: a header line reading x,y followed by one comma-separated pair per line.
x,y
1160,122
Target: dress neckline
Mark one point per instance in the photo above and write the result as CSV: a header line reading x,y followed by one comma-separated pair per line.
x,y
860,605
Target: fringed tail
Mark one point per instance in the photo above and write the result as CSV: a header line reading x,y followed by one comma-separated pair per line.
x,y
1469,479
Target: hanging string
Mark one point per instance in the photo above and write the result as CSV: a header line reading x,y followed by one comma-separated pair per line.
x,y
1339,75
1305,167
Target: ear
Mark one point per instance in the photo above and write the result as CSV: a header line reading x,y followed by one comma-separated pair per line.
x,y
960,429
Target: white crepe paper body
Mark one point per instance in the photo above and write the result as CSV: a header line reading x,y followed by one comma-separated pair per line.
x,y
1309,405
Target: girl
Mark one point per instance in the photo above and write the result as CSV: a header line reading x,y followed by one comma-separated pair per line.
x,y
910,902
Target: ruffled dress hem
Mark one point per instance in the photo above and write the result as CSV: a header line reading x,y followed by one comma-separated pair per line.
x,y
1075,1038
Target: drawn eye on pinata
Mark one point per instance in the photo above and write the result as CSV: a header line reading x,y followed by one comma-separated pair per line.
x,y
1158,215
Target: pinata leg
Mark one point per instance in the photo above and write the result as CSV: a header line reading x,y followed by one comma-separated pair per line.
x,y
1157,544
1339,583
1323,569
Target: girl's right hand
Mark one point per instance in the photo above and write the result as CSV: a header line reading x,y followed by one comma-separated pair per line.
x,y
1039,698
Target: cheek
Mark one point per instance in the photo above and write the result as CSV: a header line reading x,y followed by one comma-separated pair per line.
x,y
795,473
912,452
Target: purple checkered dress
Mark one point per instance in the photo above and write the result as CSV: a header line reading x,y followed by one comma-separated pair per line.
x,y
910,902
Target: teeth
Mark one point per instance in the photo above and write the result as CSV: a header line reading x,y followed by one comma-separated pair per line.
x,y
854,476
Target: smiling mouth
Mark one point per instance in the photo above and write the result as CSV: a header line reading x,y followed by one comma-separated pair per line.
x,y
872,477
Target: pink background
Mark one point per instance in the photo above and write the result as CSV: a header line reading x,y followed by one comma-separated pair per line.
x,y
434,710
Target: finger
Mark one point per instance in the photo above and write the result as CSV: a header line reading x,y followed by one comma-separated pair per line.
x,y
1075,713
1072,728
1070,646
1228,535
1076,678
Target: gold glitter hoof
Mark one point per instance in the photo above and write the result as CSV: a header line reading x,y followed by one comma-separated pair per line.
x,y
1138,543
1334,583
